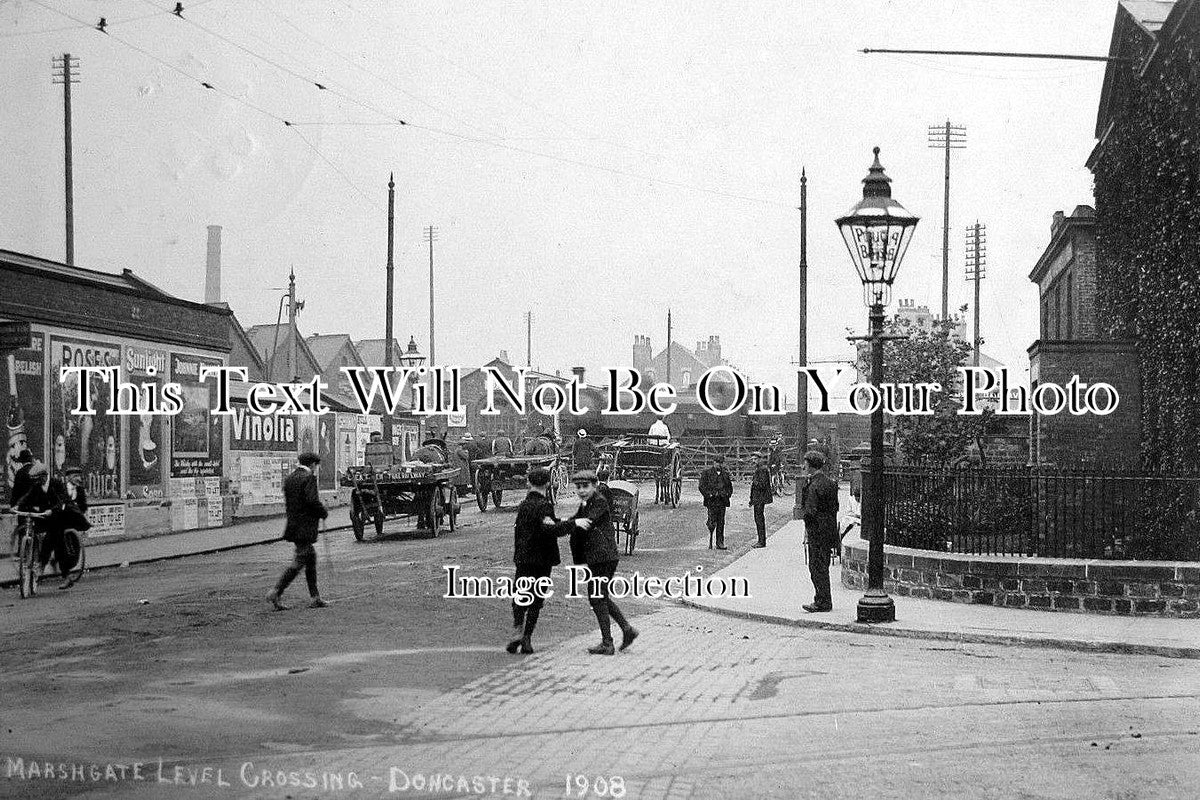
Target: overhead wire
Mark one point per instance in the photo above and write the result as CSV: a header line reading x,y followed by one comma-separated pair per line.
x,y
377,76
325,87
83,26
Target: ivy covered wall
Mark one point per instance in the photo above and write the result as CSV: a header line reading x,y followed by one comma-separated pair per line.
x,y
1147,189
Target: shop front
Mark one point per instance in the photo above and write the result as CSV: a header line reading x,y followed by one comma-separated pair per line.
x,y
144,474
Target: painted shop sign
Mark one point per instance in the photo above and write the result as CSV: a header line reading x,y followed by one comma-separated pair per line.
x,y
261,432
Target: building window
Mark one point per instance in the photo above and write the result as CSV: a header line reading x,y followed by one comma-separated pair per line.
x,y
1057,310
1046,317
687,378
1070,307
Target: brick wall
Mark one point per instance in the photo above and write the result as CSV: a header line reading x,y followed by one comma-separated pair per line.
x,y
1161,589
1066,440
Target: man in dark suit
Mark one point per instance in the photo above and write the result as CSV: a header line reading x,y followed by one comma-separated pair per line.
x,y
304,513
535,552
820,503
594,543
716,487
583,452
760,495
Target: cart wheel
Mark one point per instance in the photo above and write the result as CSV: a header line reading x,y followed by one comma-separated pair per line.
x,y
379,523
358,522
452,509
436,511
497,495
481,490
27,557
675,487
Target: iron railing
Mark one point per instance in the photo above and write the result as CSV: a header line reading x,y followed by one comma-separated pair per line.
x,y
1039,511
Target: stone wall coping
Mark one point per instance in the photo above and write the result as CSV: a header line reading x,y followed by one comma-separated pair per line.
x,y
1014,559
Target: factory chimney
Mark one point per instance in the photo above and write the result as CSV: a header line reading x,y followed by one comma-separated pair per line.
x,y
212,276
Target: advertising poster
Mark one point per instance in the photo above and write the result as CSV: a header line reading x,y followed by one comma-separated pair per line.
x,y
145,434
347,441
261,433
327,442
306,433
90,442
24,405
195,431
107,520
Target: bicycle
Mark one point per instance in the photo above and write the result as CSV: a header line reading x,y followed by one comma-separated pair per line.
x,y
780,483
28,550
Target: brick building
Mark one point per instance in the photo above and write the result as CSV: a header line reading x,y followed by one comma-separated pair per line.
x,y
1072,343
145,474
1146,168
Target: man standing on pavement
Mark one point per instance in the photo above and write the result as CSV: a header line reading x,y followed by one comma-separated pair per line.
x,y
593,543
820,503
304,513
716,487
535,552
760,495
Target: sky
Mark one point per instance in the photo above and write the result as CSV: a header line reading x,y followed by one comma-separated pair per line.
x,y
595,163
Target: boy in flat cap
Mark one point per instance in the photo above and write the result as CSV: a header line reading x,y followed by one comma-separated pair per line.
x,y
535,553
593,543
304,513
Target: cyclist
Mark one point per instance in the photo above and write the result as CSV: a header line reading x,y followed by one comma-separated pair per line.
x,y
54,509
775,454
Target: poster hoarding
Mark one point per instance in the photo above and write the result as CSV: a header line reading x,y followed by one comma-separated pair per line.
x,y
93,442
195,431
23,382
145,434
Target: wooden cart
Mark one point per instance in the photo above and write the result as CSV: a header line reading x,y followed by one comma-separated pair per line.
x,y
382,489
498,474
640,458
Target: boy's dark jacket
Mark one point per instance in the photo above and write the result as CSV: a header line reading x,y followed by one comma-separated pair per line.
x,y
534,543
597,545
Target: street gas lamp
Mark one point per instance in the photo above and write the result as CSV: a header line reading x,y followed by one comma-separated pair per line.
x,y
411,357
877,232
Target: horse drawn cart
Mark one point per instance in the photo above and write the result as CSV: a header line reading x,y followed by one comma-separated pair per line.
x,y
639,458
497,474
382,489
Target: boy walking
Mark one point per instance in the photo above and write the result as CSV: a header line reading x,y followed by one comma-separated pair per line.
x,y
594,544
535,553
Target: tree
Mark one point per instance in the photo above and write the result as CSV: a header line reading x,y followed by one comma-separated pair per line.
x,y
930,354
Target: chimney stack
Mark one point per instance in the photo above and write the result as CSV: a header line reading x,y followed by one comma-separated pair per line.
x,y
212,275
578,372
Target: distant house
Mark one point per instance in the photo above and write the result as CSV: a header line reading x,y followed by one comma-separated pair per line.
x,y
683,368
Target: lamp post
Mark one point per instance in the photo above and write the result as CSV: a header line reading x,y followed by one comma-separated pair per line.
x,y
877,232
412,358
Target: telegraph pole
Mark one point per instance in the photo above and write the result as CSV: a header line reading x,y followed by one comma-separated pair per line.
x,y
431,235
668,347
976,270
947,137
529,339
64,70
391,284
801,378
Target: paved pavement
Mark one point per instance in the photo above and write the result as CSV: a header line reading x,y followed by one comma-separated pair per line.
x,y
183,661
779,586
